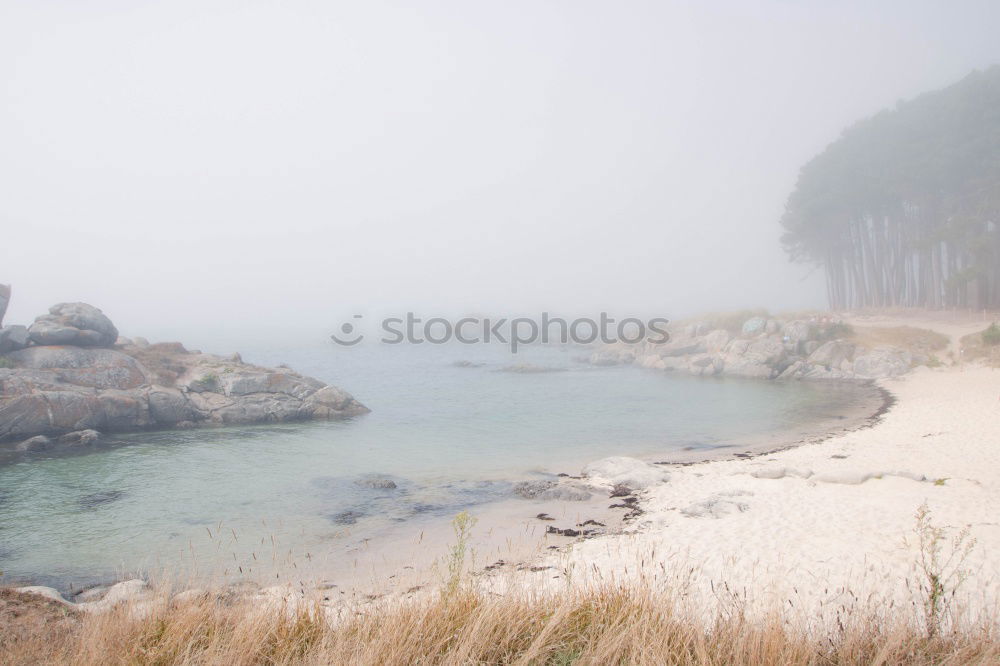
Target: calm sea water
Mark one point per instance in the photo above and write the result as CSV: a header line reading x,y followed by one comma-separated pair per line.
x,y
451,425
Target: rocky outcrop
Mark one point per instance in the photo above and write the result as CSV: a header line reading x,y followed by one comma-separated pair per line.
x,y
75,324
763,348
74,391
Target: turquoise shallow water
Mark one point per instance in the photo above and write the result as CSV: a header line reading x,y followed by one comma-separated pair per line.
x,y
450,437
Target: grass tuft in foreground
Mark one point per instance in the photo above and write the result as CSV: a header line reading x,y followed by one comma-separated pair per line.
x,y
605,626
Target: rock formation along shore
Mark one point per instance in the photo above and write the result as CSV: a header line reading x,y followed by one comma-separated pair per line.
x,y
69,375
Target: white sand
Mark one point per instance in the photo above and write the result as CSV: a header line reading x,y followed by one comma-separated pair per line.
x,y
804,540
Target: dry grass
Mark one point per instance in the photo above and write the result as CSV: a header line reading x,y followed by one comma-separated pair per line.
x,y
915,340
607,626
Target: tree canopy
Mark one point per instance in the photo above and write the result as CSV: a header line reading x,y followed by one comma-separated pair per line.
x,y
904,208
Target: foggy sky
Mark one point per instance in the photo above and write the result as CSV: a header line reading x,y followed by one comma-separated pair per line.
x,y
191,166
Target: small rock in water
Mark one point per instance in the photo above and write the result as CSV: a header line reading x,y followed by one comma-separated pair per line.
x,y
590,522
376,483
346,517
82,437
530,369
569,532
101,498
36,443
532,489
544,516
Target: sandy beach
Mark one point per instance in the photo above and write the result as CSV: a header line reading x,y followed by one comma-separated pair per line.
x,y
825,525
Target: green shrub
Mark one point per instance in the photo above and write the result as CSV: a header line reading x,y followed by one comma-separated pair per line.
x,y
207,382
6,362
991,336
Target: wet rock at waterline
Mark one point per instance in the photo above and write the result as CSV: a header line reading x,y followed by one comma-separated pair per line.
x,y
94,500
376,483
552,490
36,443
346,517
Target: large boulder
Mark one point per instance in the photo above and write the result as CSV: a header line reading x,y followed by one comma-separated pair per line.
x,y
13,338
332,402
168,406
125,410
798,331
48,412
832,354
705,365
716,340
882,362
743,366
683,347
754,326
36,443
762,358
805,370
4,300
76,324
767,351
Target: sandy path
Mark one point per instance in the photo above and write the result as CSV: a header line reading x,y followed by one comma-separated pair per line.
x,y
954,324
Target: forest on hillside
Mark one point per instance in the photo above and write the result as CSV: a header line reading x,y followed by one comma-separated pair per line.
x,y
903,209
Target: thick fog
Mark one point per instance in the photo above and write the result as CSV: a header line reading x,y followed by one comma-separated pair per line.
x,y
212,166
